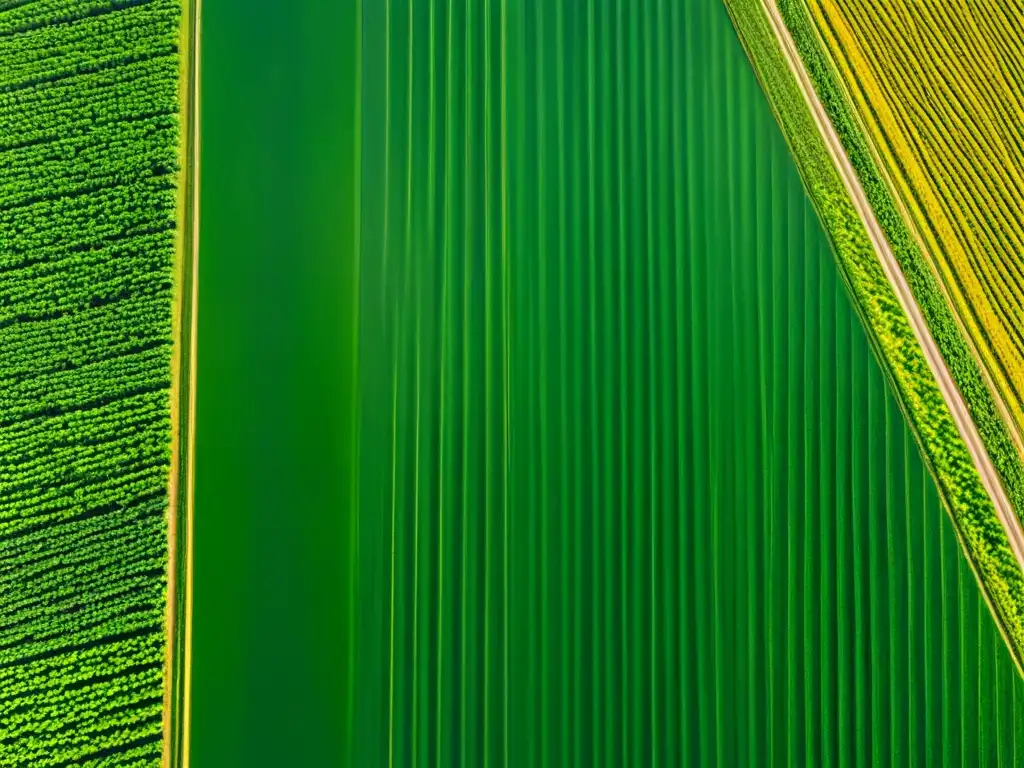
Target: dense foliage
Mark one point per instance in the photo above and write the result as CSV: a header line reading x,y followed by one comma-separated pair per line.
x,y
88,185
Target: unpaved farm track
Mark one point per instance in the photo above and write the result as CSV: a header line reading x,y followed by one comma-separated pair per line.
x,y
177,676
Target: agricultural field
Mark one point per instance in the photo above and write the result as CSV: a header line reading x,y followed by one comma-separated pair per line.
x,y
938,91
960,424
89,148
987,411
927,102
630,486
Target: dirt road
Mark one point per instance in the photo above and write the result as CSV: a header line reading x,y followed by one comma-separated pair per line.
x,y
178,663
954,400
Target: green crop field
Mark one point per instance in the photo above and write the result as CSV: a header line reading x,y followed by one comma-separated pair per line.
x,y
89,143
631,485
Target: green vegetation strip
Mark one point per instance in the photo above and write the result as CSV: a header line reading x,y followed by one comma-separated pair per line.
x,y
972,511
88,187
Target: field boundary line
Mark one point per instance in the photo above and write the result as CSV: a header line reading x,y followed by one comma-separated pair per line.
x,y
181,483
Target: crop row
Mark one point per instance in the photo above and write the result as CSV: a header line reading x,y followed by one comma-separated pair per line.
x,y
71,341
88,187
19,684
964,226
88,568
77,105
934,89
94,43
42,13
115,153
68,226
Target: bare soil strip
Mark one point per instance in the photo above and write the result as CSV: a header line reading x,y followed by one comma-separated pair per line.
x,y
954,400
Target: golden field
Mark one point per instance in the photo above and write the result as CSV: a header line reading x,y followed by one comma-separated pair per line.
x,y
938,89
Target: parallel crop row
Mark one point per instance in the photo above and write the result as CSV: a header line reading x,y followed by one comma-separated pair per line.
x,y
938,91
88,177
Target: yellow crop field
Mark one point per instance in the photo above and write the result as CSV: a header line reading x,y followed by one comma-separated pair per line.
x,y
938,90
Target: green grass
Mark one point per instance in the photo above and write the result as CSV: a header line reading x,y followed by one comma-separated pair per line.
x,y
89,140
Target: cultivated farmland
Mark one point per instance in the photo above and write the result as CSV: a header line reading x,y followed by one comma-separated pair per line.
x,y
88,188
936,91
958,423
926,132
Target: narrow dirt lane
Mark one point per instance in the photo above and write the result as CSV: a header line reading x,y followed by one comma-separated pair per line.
x,y
954,400
178,662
